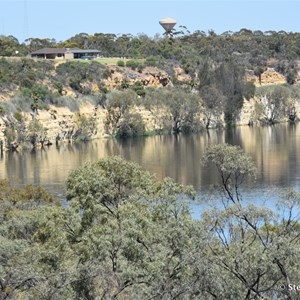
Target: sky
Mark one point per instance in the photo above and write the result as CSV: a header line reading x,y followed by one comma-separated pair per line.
x,y
62,19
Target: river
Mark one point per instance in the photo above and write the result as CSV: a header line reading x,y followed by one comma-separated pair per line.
x,y
275,150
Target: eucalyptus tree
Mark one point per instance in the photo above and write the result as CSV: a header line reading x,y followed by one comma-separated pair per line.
x,y
254,248
213,104
154,103
119,104
37,133
184,108
38,43
10,46
37,261
127,235
135,233
230,80
292,102
273,103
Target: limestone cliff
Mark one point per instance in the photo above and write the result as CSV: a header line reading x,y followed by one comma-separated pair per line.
x,y
60,121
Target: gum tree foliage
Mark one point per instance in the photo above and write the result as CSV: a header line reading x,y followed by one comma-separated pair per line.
x,y
118,105
35,256
273,103
258,71
154,104
182,107
132,125
289,69
84,127
15,130
79,74
9,45
134,230
213,104
254,47
233,167
255,246
228,78
294,97
126,235
37,133
38,43
10,138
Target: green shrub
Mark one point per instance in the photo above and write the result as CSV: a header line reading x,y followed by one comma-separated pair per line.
x,y
85,126
152,61
17,104
59,86
133,64
138,87
107,73
131,126
2,110
40,92
120,63
125,84
10,135
26,92
102,87
81,71
66,101
18,116
27,79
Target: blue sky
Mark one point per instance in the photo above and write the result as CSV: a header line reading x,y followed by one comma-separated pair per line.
x,y
61,19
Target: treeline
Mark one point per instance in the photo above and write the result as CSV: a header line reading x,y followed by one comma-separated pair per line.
x,y
126,235
255,49
258,45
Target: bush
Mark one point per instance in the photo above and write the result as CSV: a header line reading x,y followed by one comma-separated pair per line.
x,y
28,79
81,71
85,126
18,116
125,84
59,86
140,68
10,135
152,61
138,88
120,63
40,92
133,64
17,104
66,101
131,126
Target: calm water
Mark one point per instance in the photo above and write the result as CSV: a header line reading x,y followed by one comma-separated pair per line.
x,y
275,150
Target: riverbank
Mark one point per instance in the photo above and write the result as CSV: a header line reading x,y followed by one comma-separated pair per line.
x,y
73,116
273,148
60,123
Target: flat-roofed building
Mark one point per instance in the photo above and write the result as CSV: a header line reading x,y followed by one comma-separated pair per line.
x,y
65,53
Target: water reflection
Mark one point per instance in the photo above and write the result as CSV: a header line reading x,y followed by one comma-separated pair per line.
x,y
274,149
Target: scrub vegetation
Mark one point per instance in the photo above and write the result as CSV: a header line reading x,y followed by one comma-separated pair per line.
x,y
126,235
216,87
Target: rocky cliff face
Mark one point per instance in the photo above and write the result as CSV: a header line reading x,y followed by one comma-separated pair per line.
x,y
149,76
61,122
269,77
